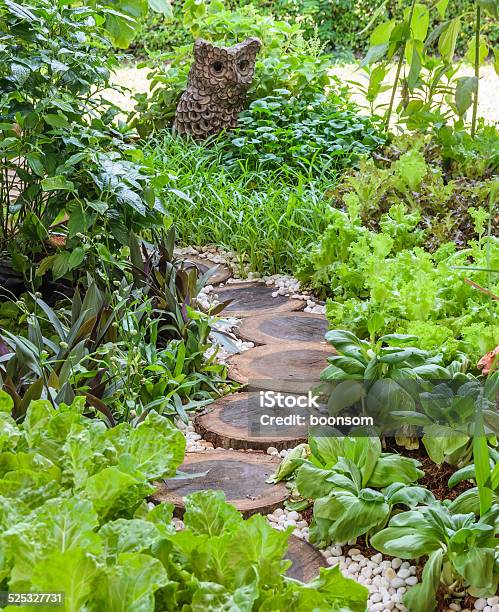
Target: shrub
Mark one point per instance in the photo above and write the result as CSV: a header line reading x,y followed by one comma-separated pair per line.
x,y
63,162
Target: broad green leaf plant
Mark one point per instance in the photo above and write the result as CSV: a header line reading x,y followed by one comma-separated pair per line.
x,y
75,519
354,486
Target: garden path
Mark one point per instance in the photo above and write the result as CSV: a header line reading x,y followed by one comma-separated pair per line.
x,y
291,354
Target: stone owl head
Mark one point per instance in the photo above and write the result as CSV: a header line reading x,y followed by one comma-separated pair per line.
x,y
219,68
218,81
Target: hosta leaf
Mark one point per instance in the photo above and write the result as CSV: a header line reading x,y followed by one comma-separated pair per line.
x,y
391,467
358,517
405,543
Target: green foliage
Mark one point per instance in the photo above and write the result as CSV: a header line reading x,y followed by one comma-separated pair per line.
x,y
448,417
426,71
383,270
385,377
341,26
264,216
74,519
286,60
159,33
476,157
62,160
343,477
319,134
460,549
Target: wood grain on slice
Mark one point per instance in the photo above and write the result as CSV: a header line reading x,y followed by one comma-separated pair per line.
x,y
291,368
233,422
272,328
250,299
240,475
220,275
307,560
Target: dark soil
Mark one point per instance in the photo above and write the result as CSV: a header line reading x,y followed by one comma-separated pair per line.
x,y
436,476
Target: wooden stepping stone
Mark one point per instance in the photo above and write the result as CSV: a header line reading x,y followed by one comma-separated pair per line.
x,y
307,560
221,274
240,475
284,327
249,299
233,422
291,368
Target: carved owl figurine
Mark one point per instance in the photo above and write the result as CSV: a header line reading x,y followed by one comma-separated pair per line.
x,y
216,88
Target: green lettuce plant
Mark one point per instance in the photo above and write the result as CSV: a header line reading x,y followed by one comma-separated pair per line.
x,y
75,519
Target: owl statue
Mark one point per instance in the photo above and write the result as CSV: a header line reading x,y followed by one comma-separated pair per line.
x,y
216,88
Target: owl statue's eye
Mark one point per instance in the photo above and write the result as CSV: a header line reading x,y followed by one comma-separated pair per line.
x,y
217,66
243,65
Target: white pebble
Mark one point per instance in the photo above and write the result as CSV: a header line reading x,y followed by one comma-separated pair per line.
x,y
404,573
293,515
354,551
396,563
397,582
271,450
492,601
412,580
480,603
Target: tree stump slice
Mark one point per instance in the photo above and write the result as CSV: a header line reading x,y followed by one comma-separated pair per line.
x,y
284,327
232,422
307,560
291,368
240,475
250,299
221,274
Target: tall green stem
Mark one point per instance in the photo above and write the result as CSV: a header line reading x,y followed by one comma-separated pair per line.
x,y
399,67
477,69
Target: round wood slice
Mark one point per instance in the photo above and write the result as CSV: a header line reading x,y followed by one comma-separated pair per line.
x,y
221,274
291,368
249,299
240,475
307,560
284,327
233,422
